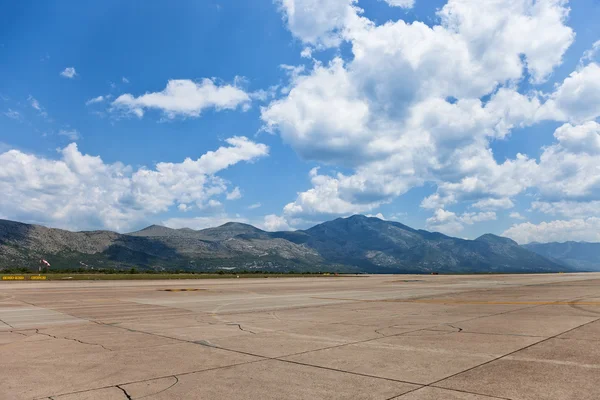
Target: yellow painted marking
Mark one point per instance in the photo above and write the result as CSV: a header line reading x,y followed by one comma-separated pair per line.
x,y
37,278
13,278
468,302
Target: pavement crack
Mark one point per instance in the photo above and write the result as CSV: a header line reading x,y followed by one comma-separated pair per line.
x,y
124,392
163,390
205,343
458,329
37,331
7,324
242,329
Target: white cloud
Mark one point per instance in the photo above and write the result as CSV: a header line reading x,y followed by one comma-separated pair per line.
x,y
516,215
401,3
329,197
570,169
569,209
378,215
80,191
36,105
202,222
183,97
234,194
492,204
590,55
71,134
98,99
254,206
12,114
584,138
306,52
577,99
69,72
582,229
451,223
124,80
406,109
275,223
318,22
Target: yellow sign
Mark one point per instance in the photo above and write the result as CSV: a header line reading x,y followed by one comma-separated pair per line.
x,y
13,278
22,278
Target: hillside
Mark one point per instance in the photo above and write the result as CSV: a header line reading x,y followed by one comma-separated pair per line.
x,y
353,244
582,256
385,246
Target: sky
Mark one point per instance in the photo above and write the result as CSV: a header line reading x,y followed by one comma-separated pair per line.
x,y
463,117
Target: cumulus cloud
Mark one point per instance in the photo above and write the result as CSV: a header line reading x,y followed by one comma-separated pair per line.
x,y
80,191
202,222
274,222
69,72
318,22
570,168
408,107
328,197
568,209
186,98
234,194
577,99
378,215
584,138
98,99
590,54
401,3
516,215
581,229
450,223
492,203
254,206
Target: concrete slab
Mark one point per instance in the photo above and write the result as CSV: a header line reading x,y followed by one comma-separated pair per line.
x,y
433,393
529,380
276,344
273,380
421,359
112,393
524,323
109,337
587,332
562,352
150,388
39,368
474,335
202,331
28,317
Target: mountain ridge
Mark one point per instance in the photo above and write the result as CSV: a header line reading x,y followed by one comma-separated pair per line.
x,y
353,244
584,256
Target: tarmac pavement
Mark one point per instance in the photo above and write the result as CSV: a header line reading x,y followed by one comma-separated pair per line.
x,y
406,337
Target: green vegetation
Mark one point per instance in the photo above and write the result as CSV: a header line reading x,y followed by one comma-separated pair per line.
x,y
163,275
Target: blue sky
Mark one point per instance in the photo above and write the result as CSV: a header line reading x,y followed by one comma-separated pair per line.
x,y
442,115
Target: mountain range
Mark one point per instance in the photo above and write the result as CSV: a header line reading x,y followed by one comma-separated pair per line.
x,y
353,244
581,256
